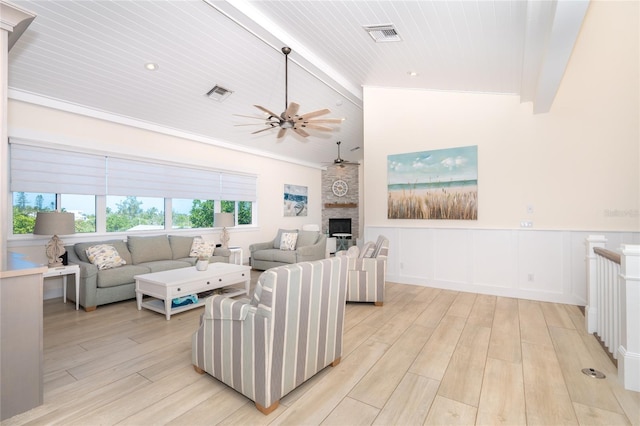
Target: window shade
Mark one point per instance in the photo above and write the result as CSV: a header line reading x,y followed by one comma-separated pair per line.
x,y
237,187
47,170
131,177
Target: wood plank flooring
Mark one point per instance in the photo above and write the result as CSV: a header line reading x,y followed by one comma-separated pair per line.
x,y
428,356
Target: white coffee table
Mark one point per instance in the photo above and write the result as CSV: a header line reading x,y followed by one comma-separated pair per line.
x,y
167,285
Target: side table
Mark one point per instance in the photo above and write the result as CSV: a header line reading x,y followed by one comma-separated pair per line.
x,y
342,240
237,254
63,271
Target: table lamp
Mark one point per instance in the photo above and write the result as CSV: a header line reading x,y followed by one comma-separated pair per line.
x,y
224,220
54,223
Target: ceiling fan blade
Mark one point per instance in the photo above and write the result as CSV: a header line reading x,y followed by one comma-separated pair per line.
x,y
300,132
317,127
265,129
326,120
292,110
314,114
252,116
249,124
271,113
281,132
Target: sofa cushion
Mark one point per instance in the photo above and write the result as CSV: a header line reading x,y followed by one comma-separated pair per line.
x,y
104,256
307,238
180,246
278,238
119,276
288,240
148,249
119,245
165,265
275,255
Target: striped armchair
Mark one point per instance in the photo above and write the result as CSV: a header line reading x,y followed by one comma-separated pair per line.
x,y
367,271
290,330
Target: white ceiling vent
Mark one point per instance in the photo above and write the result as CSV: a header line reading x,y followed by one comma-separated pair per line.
x,y
219,93
382,33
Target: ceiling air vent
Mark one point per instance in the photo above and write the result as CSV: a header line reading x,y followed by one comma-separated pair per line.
x,y
219,93
382,33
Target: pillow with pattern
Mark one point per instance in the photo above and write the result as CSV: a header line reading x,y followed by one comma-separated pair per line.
x,y
201,248
104,256
288,240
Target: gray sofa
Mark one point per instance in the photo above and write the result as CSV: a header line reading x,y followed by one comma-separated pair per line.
x,y
310,245
142,255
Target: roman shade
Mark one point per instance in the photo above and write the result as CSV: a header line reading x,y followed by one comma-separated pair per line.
x,y
50,170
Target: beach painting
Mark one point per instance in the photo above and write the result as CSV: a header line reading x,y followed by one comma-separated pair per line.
x,y
295,200
437,184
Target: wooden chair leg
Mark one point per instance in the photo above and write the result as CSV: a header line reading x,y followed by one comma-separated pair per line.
x,y
336,362
90,308
377,303
268,409
198,369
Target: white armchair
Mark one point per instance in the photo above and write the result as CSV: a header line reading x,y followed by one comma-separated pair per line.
x,y
367,271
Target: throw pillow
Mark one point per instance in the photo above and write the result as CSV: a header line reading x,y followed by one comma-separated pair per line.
x,y
353,252
104,256
201,248
368,250
278,238
288,240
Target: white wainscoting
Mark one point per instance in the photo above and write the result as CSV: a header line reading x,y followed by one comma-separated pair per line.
x,y
530,264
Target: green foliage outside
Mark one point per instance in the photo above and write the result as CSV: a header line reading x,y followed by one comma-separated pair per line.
x,y
202,214
129,213
24,216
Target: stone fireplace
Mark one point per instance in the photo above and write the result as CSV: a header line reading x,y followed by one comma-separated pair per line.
x,y
345,206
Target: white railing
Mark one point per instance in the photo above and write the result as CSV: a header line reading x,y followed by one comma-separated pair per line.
x,y
613,304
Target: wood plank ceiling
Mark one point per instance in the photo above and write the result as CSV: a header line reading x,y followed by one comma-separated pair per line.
x,y
89,56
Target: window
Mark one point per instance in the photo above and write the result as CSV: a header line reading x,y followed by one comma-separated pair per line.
x,y
84,209
96,189
134,213
27,204
189,213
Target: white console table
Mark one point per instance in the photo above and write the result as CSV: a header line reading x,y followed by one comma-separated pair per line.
x,y
64,271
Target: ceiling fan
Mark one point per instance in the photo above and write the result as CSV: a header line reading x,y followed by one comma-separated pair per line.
x,y
342,162
289,119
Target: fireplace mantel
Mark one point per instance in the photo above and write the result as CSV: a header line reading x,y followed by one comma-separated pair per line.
x,y
340,205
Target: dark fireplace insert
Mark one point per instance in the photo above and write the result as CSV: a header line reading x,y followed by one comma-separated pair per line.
x,y
339,226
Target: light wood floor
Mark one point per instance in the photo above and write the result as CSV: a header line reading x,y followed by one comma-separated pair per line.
x,y
427,356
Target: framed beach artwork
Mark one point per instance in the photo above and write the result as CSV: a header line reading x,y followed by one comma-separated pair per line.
x,y
295,200
438,184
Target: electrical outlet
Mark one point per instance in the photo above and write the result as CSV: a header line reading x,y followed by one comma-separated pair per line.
x,y
526,224
529,209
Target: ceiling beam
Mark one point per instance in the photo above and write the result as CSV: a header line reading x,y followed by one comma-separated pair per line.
x,y
546,57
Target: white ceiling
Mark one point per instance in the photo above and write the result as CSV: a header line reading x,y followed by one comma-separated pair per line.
x,y
88,57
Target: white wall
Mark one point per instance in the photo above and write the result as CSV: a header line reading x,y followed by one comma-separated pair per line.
x,y
79,132
577,166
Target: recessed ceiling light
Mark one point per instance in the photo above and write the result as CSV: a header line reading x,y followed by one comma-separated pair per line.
x,y
151,66
412,73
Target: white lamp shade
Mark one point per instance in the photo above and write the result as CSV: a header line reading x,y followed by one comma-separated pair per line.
x,y
223,220
55,223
